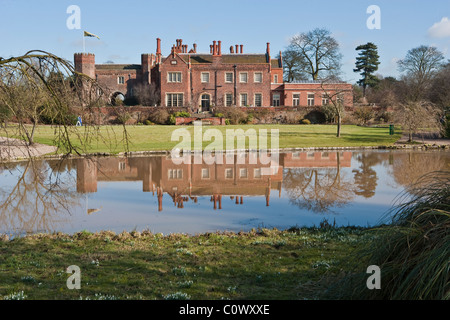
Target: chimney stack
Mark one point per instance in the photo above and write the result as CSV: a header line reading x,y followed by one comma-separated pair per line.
x,y
242,48
268,49
231,49
195,48
219,49
214,48
237,48
158,46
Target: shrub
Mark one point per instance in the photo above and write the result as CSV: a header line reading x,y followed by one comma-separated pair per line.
x,y
364,114
5,113
305,121
182,114
172,119
236,115
148,122
123,117
447,126
329,112
219,115
160,116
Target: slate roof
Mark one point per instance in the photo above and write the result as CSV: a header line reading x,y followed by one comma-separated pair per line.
x,y
108,66
227,58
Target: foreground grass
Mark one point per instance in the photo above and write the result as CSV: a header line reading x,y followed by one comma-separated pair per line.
x,y
263,264
110,139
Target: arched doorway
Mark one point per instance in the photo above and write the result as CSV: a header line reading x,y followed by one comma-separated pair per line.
x,y
116,97
205,101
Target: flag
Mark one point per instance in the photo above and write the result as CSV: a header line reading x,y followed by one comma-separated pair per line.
x,y
88,34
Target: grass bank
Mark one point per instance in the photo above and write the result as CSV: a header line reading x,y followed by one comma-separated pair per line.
x,y
110,139
262,264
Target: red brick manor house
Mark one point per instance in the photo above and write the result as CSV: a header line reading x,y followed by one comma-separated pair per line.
x,y
203,80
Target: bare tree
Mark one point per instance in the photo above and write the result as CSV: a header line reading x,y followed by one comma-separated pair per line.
x,y
415,116
319,54
38,200
294,65
148,94
420,65
335,94
41,84
318,189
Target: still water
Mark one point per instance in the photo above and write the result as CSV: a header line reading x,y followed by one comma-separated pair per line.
x,y
354,188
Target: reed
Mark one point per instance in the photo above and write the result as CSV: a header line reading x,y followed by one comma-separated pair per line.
x,y
412,251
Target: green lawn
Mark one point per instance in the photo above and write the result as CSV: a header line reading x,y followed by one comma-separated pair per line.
x,y
110,139
264,264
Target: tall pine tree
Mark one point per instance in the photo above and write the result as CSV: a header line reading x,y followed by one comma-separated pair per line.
x,y
367,63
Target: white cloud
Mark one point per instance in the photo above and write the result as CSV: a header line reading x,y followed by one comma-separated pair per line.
x,y
440,29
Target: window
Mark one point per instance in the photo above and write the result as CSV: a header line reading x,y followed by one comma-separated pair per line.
x,y
257,173
120,80
310,99
243,77
122,166
205,77
205,173
276,100
228,99
275,78
244,99
258,100
229,173
174,77
258,77
175,174
229,77
296,99
174,99
324,100
243,173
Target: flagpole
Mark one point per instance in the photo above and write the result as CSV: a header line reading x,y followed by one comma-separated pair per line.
x,y
84,44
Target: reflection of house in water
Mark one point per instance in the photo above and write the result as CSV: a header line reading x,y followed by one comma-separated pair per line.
x,y
235,179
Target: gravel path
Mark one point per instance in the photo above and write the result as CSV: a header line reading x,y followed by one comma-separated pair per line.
x,y
431,139
11,149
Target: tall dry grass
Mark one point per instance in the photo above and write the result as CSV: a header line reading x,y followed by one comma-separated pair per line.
x,y
412,251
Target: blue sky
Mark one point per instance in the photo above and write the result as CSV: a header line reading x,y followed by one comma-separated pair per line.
x,y
129,28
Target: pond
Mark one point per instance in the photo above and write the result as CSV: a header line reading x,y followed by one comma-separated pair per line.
x,y
347,188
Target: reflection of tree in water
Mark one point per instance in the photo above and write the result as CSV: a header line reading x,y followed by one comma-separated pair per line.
x,y
365,177
37,201
408,167
318,189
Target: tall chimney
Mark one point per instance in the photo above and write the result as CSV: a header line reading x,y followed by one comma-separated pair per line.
x,y
242,48
214,48
211,48
219,49
237,48
268,49
231,49
158,46
195,48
